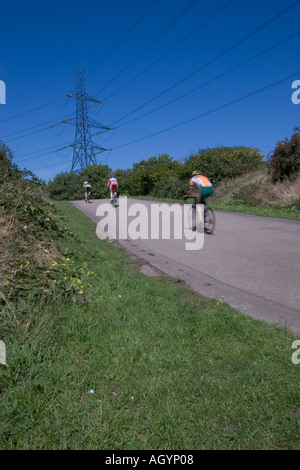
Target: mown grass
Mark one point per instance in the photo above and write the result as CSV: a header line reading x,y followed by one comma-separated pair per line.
x,y
169,370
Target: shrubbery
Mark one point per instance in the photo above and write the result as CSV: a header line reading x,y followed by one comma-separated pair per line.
x,y
170,188
28,229
160,176
285,160
147,173
223,162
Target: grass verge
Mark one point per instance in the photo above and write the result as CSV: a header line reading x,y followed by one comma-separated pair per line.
x,y
131,362
292,213
275,212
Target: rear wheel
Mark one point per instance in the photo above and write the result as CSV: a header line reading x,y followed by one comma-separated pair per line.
x,y
209,220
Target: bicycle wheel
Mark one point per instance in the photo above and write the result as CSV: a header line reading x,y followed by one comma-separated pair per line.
x,y
194,217
209,220
114,200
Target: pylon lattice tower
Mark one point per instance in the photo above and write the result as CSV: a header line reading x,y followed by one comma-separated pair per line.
x,y
85,150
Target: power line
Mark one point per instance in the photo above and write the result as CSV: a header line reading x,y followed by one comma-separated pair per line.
x,y
132,27
145,12
191,91
179,43
66,144
52,166
214,59
237,100
177,17
213,15
40,88
209,82
187,121
34,109
31,133
43,154
38,151
34,127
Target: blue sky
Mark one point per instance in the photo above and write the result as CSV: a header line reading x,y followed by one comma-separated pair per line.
x,y
190,48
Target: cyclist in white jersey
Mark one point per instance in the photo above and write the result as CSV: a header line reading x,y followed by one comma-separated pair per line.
x,y
112,185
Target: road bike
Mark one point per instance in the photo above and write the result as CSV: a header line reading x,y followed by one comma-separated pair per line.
x,y
209,217
88,196
114,199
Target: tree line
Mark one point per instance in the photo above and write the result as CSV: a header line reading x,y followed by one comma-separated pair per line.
x,y
165,177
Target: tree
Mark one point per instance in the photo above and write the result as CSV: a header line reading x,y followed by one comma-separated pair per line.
x,y
285,160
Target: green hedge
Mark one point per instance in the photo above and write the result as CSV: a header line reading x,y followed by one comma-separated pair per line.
x,y
285,160
170,188
223,162
160,176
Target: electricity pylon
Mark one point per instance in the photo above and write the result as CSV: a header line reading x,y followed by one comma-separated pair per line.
x,y
85,150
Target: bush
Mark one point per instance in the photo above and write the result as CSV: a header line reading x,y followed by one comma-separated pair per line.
x,y
223,162
170,188
285,160
28,228
65,186
147,173
245,194
68,186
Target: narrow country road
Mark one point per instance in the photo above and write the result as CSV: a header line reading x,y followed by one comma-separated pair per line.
x,y
251,262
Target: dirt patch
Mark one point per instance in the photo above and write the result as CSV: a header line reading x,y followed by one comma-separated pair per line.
x,y
150,271
140,265
144,267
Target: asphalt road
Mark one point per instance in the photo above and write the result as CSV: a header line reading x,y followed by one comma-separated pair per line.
x,y
251,262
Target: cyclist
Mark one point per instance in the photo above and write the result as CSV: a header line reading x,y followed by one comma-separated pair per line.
x,y
200,188
112,186
87,189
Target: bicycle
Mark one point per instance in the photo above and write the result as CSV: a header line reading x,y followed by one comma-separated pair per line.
x,y
88,196
114,199
209,217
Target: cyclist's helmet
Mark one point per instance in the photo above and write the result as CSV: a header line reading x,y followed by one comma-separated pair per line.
x,y
196,172
86,182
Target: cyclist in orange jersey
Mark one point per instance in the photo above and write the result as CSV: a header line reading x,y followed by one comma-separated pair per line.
x,y
200,187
